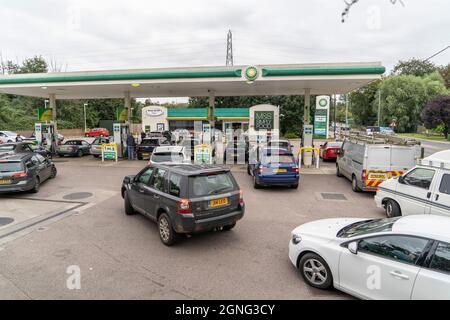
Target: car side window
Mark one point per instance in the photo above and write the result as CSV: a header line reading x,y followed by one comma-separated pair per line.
x,y
420,177
441,259
175,185
35,160
445,184
158,181
400,248
145,176
40,158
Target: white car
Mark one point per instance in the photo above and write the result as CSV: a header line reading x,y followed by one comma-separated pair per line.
x,y
394,258
170,155
425,189
9,137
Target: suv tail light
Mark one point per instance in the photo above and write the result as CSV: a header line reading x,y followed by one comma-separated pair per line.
x,y
241,198
295,169
20,175
184,206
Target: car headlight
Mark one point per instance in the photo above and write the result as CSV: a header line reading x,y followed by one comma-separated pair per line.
x,y
296,239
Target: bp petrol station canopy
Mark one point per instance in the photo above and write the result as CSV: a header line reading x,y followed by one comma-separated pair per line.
x,y
293,79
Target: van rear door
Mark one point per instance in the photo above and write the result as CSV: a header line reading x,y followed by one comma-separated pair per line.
x,y
378,157
402,158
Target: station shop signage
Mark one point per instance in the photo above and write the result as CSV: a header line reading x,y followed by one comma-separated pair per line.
x,y
322,117
154,112
264,120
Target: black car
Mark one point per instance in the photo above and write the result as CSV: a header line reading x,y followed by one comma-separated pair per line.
x,y
24,172
21,147
74,148
145,149
184,199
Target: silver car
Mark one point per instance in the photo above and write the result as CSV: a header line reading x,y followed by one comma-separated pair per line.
x,y
96,146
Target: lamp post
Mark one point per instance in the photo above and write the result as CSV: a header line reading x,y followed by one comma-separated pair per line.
x,y
85,126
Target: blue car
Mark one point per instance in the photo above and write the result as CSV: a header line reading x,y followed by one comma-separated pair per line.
x,y
276,167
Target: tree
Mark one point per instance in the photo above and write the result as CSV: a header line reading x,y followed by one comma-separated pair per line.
x,y
361,104
436,113
414,67
37,64
445,73
404,97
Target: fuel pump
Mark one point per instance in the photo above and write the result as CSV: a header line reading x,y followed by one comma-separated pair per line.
x,y
45,135
121,131
307,141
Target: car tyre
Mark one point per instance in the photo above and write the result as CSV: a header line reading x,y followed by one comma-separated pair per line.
x,y
338,171
54,173
355,187
167,235
256,185
129,210
316,271
79,153
295,186
248,170
392,209
37,183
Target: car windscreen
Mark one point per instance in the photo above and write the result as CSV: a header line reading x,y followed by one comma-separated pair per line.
x,y
334,144
73,143
150,142
367,227
167,157
7,147
281,144
100,141
11,166
275,158
211,184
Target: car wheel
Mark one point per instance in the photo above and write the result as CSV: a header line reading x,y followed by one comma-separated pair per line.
x,y
315,271
392,209
54,173
79,153
229,227
256,185
166,233
355,187
295,186
86,135
37,183
140,157
338,171
96,156
129,211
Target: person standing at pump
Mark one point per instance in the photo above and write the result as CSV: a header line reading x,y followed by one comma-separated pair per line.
x,y
143,136
130,145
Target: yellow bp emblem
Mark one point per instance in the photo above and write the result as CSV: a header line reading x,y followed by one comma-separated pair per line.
x,y
251,73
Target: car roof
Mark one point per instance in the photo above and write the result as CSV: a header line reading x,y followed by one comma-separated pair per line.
x,y
174,149
192,169
15,156
441,156
429,226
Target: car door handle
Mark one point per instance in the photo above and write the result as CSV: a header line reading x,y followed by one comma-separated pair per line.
x,y
437,197
429,195
400,275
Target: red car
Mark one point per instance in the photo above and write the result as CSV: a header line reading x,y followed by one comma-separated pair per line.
x,y
97,132
329,150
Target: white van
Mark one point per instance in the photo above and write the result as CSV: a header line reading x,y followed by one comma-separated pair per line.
x,y
369,161
425,189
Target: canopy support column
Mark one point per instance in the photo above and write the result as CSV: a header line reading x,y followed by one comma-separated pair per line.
x,y
52,100
128,105
307,107
212,104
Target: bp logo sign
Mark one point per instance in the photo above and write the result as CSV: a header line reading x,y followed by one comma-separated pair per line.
x,y
323,102
251,73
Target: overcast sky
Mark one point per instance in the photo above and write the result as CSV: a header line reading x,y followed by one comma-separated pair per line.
x,y
113,34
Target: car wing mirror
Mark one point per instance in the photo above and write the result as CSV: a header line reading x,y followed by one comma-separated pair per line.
x,y
353,247
401,180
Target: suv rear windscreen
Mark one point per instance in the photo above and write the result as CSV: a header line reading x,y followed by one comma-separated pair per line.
x,y
167,157
212,184
11,166
150,142
274,159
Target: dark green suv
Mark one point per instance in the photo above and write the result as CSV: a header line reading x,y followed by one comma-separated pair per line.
x,y
184,199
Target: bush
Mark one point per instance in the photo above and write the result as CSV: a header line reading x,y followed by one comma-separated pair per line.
x,y
291,135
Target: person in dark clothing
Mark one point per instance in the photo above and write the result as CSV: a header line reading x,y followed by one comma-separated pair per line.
x,y
130,145
143,135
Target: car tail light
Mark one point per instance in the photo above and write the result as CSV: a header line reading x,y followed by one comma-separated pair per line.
x,y
241,198
364,175
20,175
295,169
184,206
